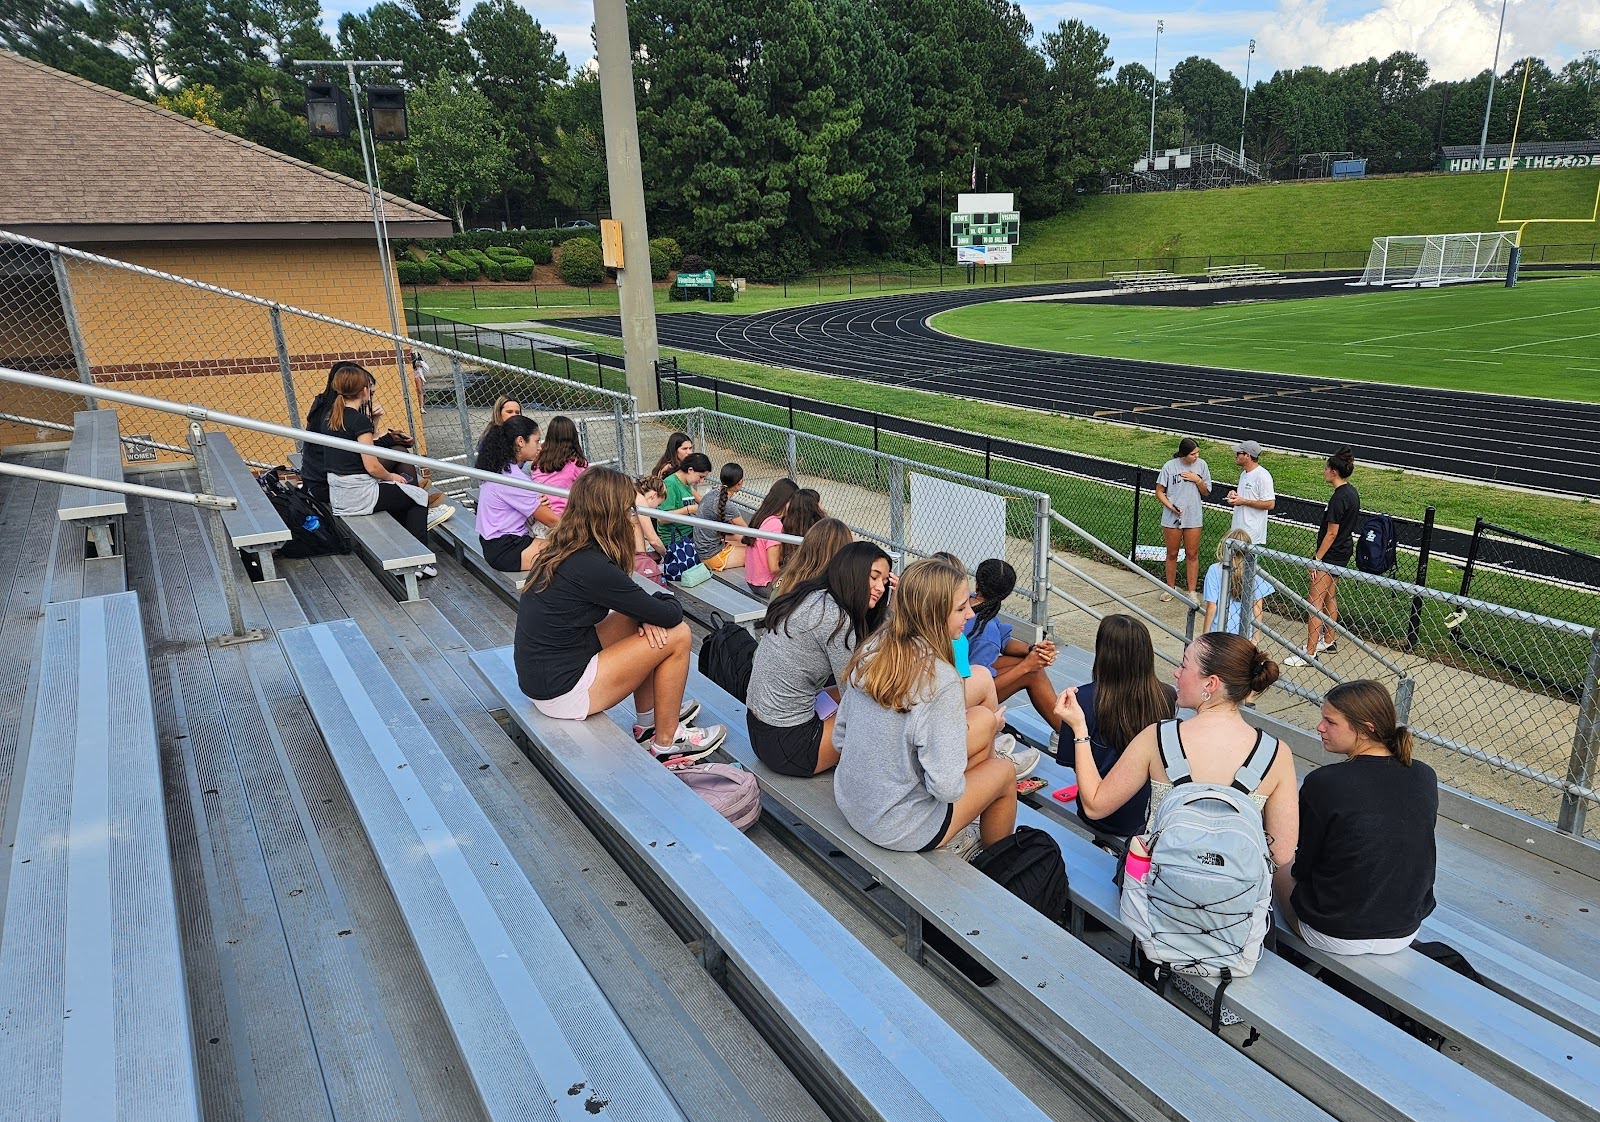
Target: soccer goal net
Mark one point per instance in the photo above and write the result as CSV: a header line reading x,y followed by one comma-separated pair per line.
x,y
1429,260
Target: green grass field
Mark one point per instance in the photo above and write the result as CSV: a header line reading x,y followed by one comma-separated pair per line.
x,y
1538,339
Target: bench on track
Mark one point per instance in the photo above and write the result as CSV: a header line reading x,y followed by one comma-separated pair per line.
x,y
1145,280
1065,994
254,526
96,453
1241,274
94,1009
864,1041
537,1035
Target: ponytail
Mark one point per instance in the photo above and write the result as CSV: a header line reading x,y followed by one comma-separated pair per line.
x,y
731,476
1400,743
995,580
1367,705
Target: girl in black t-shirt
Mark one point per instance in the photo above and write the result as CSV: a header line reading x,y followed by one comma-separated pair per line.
x,y
1333,548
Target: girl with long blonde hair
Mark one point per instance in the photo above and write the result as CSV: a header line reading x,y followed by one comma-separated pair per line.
x,y
917,766
587,636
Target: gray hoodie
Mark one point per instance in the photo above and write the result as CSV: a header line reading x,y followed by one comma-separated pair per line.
x,y
899,771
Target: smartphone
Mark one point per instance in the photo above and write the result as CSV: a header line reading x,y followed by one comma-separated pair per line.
x,y
1029,786
1066,794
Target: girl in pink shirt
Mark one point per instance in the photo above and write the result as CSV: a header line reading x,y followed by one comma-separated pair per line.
x,y
560,462
762,553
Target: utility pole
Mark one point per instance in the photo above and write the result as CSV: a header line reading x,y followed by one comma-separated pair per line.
x,y
1494,76
1245,112
626,179
1155,62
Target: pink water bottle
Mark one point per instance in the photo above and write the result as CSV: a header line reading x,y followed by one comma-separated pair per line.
x,y
1137,865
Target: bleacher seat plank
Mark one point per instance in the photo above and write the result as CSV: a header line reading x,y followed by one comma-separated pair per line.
x,y
538,1036
464,542
254,525
96,452
720,597
386,544
1162,1054
876,1042
94,1012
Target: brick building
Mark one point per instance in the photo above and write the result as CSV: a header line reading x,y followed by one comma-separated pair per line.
x,y
89,168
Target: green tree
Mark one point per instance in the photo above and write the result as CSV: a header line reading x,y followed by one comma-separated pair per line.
x,y
460,156
1211,100
517,68
418,34
1093,123
69,37
577,168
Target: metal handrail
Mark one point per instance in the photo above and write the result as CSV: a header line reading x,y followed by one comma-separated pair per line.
x,y
1115,595
70,479
200,415
1117,556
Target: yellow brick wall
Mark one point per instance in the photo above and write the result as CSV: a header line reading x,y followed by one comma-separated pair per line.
x,y
163,339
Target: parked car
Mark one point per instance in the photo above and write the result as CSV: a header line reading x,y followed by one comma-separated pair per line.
x,y
577,224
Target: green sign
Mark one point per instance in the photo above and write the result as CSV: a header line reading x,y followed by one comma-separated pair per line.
x,y
993,228
707,279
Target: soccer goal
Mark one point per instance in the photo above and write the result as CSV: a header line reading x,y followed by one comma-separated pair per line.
x,y
1429,260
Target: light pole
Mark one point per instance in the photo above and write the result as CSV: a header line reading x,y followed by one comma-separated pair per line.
x,y
1494,76
1245,112
380,219
1154,62
1593,58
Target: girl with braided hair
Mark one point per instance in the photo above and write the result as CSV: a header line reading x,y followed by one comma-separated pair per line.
x,y
1016,665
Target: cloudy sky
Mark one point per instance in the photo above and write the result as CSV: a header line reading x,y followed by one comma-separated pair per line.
x,y
1455,36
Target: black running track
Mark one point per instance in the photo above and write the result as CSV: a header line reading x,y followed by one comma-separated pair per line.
x,y
1528,442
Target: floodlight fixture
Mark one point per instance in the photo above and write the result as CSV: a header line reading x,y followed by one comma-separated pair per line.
x,y
327,110
386,112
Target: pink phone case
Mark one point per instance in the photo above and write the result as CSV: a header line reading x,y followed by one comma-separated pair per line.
x,y
1066,794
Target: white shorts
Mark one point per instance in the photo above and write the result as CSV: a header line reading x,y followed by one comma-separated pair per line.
x,y
574,704
1317,941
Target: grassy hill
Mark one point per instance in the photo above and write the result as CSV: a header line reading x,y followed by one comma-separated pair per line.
x,y
1311,215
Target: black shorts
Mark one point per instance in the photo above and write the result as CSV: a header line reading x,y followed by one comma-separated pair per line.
x,y
787,751
505,553
944,828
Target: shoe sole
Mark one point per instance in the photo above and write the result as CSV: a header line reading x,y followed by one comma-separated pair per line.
x,y
693,712
692,755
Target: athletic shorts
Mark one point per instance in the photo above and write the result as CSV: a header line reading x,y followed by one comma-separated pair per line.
x,y
505,553
718,561
1317,941
944,828
786,750
574,704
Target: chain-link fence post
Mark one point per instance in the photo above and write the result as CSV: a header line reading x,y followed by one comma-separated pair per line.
x,y
791,454
1424,551
1041,564
699,426
1585,748
80,356
1405,689
621,430
281,343
1230,561
220,546
458,382
897,507
1247,605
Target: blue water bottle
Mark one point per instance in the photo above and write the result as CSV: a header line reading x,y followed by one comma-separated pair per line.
x,y
958,647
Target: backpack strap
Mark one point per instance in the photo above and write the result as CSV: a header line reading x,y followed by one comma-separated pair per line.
x,y
1173,760
1256,764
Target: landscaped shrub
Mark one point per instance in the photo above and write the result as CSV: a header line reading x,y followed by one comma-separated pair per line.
x,y
538,251
581,262
455,270
408,272
468,264
722,294
693,263
669,247
493,271
502,252
517,268
428,271
660,263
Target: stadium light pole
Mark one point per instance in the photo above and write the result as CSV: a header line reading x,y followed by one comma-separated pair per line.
x,y
1154,62
1245,112
1494,76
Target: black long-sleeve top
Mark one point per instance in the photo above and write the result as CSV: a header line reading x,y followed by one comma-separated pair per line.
x,y
555,626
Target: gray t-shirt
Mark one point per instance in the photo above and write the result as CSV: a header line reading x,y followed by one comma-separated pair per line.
x,y
709,543
795,661
1183,494
899,771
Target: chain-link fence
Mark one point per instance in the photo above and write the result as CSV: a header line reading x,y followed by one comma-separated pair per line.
x,y
1502,700
91,319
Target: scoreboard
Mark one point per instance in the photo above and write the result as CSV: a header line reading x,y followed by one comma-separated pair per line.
x,y
985,228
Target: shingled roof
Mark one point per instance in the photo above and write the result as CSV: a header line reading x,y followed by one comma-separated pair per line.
x,y
79,162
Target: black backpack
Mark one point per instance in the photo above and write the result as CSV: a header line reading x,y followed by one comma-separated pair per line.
x,y
1375,549
310,522
726,656
1029,865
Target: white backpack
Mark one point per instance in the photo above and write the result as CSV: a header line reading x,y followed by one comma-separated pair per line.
x,y
1203,908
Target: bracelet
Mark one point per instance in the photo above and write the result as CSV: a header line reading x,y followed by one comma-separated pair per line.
x,y
1081,740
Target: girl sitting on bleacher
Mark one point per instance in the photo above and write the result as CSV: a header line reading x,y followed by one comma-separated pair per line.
x,y
1362,879
508,516
917,766
587,636
560,461
1016,666
679,445
810,632
762,556
504,409
648,549
718,551
818,543
358,483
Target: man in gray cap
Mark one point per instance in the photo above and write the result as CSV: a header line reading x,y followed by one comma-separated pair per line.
x,y
1254,496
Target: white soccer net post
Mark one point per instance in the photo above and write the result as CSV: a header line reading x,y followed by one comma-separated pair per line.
x,y
1429,260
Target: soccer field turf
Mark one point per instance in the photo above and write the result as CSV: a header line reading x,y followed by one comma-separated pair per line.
x,y
1541,338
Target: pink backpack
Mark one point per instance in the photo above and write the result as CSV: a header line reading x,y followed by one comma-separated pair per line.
x,y
731,791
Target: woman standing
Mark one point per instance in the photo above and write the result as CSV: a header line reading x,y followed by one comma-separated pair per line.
x,y
1218,573
1362,880
810,634
917,766
587,636
1183,482
507,515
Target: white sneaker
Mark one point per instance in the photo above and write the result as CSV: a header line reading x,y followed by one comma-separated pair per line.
x,y
428,571
440,515
965,844
1298,660
690,710
1023,758
690,744
1327,646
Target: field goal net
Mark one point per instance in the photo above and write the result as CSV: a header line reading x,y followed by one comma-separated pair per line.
x,y
1429,260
